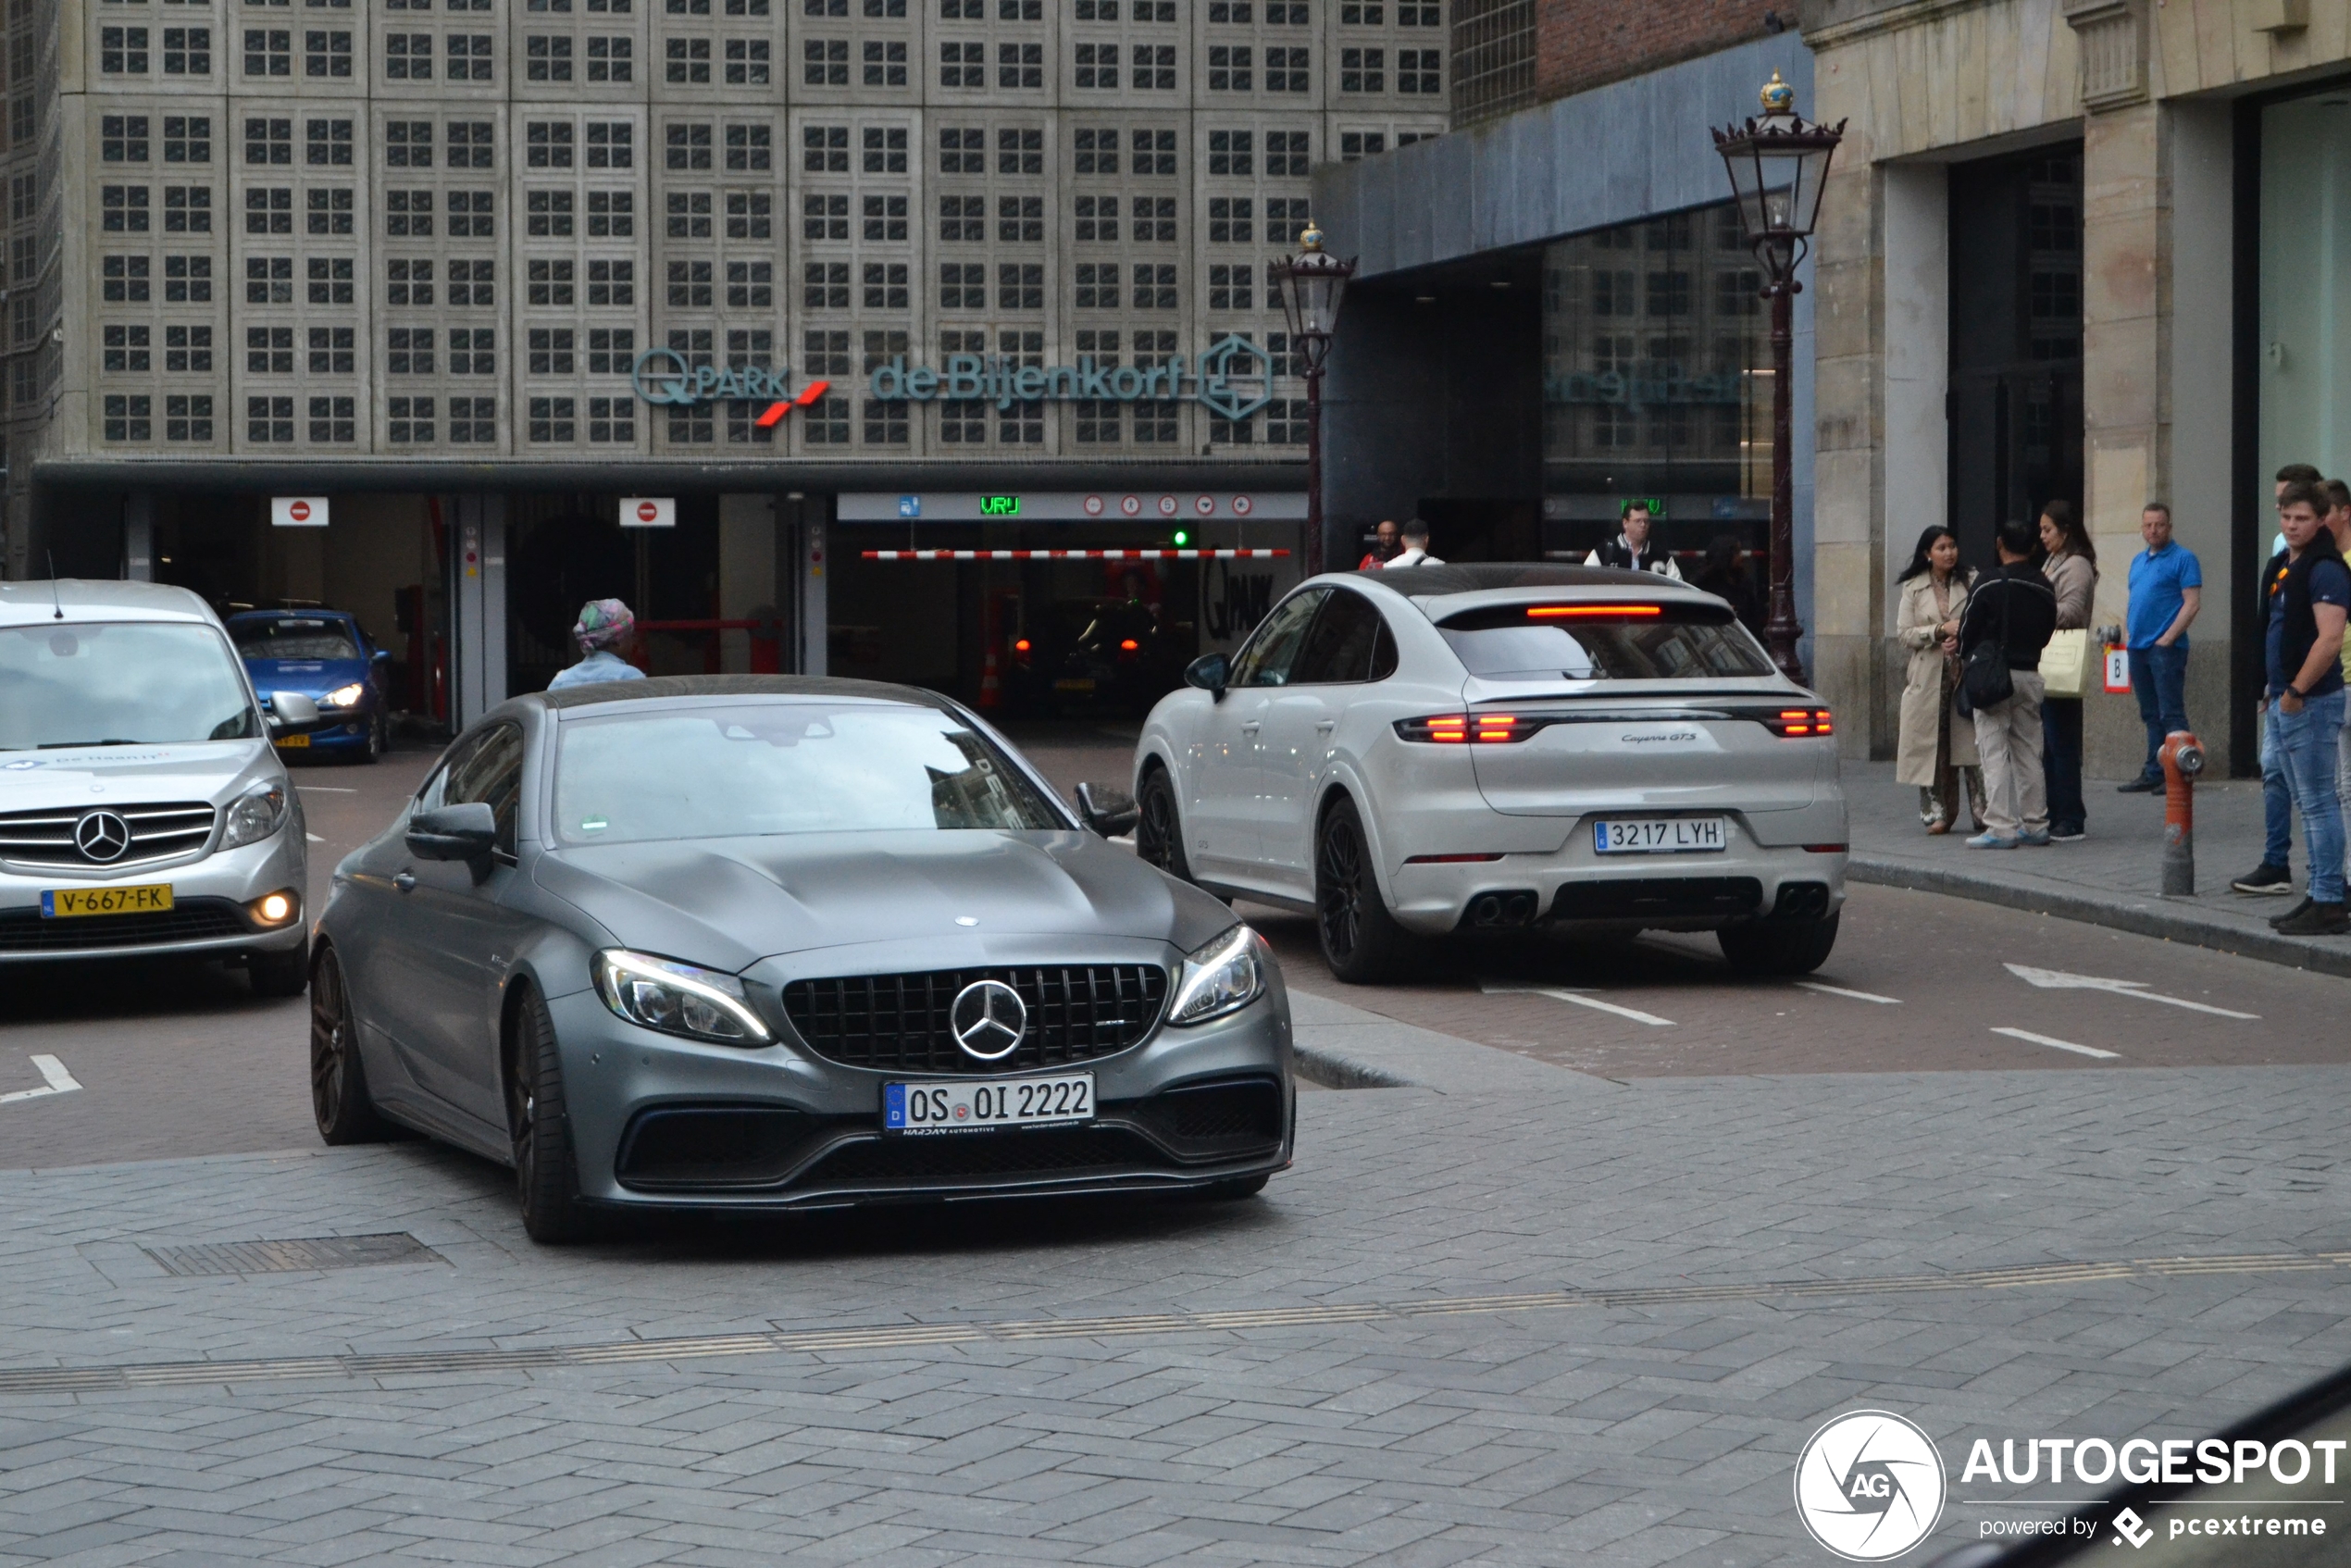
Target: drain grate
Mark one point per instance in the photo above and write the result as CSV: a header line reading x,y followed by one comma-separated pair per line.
x,y
299,1255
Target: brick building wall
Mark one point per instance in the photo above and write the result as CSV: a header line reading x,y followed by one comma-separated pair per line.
x,y
1583,44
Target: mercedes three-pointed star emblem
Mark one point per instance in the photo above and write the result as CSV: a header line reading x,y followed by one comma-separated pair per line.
x,y
988,1018
101,836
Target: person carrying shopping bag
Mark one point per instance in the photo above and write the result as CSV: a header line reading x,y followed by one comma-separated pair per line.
x,y
1937,747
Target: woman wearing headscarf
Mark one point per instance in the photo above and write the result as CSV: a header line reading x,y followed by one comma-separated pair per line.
x,y
604,627
1937,748
2072,571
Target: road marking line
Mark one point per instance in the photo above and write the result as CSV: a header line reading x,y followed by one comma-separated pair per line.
x,y
2057,980
1827,990
53,1072
1503,988
313,837
2059,1044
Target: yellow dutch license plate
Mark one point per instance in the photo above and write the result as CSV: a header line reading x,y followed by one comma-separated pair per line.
x,y
58,903
292,742
1073,686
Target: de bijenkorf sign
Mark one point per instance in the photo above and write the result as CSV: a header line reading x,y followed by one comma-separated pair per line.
x,y
1232,380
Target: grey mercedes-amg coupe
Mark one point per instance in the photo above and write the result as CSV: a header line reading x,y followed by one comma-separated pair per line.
x,y
756,942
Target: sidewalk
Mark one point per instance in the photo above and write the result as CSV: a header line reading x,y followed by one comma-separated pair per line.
x,y
2113,878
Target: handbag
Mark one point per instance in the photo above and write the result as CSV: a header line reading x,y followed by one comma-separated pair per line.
x,y
1983,671
2065,664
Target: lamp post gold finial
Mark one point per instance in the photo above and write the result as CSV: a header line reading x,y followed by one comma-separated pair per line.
x,y
1779,98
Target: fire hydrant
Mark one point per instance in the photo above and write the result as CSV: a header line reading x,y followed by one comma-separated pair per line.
x,y
2182,758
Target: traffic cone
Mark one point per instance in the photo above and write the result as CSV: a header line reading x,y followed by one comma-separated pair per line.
x,y
990,688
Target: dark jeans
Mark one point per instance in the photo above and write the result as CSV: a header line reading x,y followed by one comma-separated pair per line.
x,y
2160,680
2061,763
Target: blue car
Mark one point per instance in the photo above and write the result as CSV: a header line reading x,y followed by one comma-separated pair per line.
x,y
325,657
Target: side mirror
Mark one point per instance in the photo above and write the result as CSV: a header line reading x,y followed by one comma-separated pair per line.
x,y
1208,672
459,833
1108,810
380,656
291,710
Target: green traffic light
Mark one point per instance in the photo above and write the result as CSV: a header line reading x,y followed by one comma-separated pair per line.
x,y
1182,539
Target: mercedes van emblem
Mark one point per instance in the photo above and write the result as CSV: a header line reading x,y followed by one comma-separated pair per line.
x,y
988,1018
101,836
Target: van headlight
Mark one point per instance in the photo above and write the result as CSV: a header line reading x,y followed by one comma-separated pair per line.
x,y
1220,977
677,999
258,812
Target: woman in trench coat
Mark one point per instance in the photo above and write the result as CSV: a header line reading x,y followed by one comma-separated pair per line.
x,y
1937,747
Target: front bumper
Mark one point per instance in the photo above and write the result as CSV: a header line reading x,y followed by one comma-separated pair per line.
x,y
662,1123
211,915
1576,885
346,734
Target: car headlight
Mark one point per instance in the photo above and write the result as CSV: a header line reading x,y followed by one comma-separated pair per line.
x,y
1217,978
677,999
258,812
344,696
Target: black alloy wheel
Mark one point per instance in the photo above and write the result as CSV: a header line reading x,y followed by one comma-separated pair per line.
x,y
1361,941
379,741
546,1174
1159,830
338,1099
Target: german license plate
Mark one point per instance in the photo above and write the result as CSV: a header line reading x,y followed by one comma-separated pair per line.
x,y
984,1104
1659,835
59,903
292,743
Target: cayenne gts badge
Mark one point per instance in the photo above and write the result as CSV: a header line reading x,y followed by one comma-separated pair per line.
x,y
988,1018
101,836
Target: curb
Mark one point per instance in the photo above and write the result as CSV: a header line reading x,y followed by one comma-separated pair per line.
x,y
1333,1071
2140,917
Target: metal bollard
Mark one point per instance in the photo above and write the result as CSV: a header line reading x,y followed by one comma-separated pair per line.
x,y
2182,758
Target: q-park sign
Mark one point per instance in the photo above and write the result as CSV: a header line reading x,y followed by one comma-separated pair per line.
x,y
1232,380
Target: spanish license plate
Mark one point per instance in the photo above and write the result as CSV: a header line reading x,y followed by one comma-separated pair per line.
x,y
58,903
1659,835
292,743
985,1104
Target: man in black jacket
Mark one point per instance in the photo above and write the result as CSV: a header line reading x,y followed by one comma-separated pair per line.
x,y
2012,608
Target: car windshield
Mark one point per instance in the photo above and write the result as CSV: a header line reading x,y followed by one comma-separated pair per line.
x,y
783,767
118,683
295,640
1604,642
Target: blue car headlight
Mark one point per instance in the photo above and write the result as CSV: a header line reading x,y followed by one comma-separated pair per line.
x,y
677,999
1220,977
344,696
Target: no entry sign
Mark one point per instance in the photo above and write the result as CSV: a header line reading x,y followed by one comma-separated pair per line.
x,y
298,510
648,512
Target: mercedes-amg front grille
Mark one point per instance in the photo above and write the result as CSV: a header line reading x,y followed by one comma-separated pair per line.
x,y
900,1023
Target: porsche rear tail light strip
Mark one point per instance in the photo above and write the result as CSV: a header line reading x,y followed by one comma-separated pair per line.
x,y
1592,612
1799,724
1476,729
1505,729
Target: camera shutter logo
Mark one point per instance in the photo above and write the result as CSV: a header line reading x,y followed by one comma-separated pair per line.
x,y
988,1018
101,836
1869,1486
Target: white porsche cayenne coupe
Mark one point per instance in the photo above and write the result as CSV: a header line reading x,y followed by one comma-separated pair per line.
x,y
1466,749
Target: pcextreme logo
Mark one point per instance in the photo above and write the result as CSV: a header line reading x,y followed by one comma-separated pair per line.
x,y
1868,1485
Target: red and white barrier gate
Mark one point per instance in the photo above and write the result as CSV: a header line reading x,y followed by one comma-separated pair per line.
x,y
1076,554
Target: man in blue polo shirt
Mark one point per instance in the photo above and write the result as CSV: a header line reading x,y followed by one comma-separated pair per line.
x,y
2167,590
2309,589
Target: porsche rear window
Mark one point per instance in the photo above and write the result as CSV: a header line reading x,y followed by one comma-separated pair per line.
x,y
783,767
1585,642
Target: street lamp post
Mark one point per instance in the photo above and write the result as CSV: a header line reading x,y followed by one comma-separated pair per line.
x,y
1311,284
1777,164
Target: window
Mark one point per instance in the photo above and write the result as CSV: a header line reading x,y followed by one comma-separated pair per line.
x,y
1154,220
1285,422
123,278
824,285
750,214
126,349
1228,68
825,352
547,143
1097,423
749,147
334,419
690,285
885,219
408,57
1417,71
1097,151
611,350
469,214
823,149
268,141
187,139
408,215
686,60
1285,218
409,420
551,351
1373,14
124,209
1154,286
1285,70
963,10
469,144
746,62
824,62
962,220
187,279
963,65
326,143
329,210
268,51
187,350
885,149
1355,144
329,279
547,57
268,279
127,417
553,419
612,419
269,352
609,59
269,419
1154,152
962,422
1287,13
826,422
187,417
475,419
1020,152
885,421
1286,153
1232,151
883,346
1020,219
408,144
547,214
328,52
1020,65
886,286
822,217
1020,285
611,143
1232,287
553,282
1097,220
1362,70
473,283
1233,432
689,147
187,51
407,282
885,64
1237,12
689,214
1669,294
469,55
965,152
123,138
1152,66
751,285
1097,66
1096,285
473,352
963,286
408,351
333,352
1231,220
